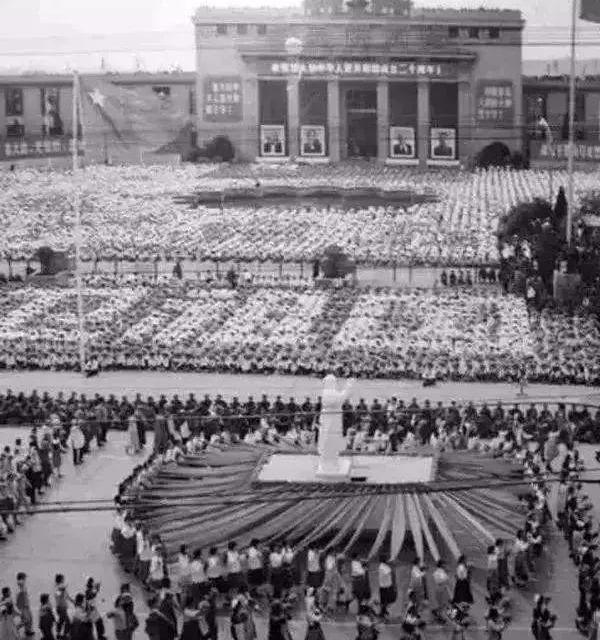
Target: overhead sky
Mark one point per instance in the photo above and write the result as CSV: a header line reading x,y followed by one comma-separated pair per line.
x,y
54,35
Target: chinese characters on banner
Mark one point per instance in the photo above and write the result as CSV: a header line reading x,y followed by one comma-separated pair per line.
x,y
495,103
222,99
560,151
355,68
36,148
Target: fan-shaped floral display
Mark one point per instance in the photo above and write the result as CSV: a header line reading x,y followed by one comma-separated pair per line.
x,y
215,497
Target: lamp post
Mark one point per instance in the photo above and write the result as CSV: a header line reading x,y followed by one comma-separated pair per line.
x,y
293,48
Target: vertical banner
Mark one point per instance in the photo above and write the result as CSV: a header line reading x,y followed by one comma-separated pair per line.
x,y
443,144
222,99
312,140
272,140
495,103
402,143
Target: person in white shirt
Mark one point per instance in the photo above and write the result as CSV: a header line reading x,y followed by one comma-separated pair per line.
x,y
387,590
183,574
314,573
157,567
214,570
361,589
276,570
198,580
233,566
441,591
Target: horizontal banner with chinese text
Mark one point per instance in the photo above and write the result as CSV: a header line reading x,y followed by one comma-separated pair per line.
x,y
588,152
400,69
37,147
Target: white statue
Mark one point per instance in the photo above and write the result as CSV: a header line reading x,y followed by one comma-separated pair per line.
x,y
331,435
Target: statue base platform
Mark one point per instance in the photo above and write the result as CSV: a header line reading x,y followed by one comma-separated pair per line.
x,y
337,471
365,469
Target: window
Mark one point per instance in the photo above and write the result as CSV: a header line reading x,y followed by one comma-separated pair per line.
x,y
242,29
14,101
15,127
52,124
162,92
453,32
361,100
261,29
473,33
494,33
222,29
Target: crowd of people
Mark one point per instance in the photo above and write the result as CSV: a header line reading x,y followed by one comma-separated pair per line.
x,y
129,213
455,333
30,466
186,595
63,614
276,576
286,416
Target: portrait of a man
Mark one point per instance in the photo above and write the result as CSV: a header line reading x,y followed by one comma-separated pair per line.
x,y
272,140
312,139
402,142
443,144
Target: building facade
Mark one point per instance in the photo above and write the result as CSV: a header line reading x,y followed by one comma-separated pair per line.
x,y
36,110
374,79
547,97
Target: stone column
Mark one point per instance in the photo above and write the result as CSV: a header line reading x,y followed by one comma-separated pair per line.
x,y
293,119
383,120
423,121
466,122
333,119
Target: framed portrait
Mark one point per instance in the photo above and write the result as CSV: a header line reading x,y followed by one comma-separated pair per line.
x,y
312,140
443,144
402,142
272,140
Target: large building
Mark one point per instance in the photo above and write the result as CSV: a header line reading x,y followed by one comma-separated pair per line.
x,y
406,86
374,78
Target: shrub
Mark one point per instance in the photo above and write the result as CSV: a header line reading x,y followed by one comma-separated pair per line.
x,y
220,149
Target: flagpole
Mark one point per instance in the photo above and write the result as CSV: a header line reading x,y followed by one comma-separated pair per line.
x,y
77,234
571,157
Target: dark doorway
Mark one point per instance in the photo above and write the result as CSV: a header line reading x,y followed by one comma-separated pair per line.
x,y
362,135
361,121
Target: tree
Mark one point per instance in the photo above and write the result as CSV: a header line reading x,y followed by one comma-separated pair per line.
x,y
524,220
220,148
496,154
336,264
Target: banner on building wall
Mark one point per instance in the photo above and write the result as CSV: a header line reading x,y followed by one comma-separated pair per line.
x,y
272,140
222,99
495,103
312,140
400,69
584,152
36,147
50,109
443,144
402,143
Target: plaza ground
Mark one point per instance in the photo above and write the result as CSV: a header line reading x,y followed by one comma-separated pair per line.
x,y
77,543
154,383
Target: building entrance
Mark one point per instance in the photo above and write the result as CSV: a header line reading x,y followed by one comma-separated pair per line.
x,y
361,122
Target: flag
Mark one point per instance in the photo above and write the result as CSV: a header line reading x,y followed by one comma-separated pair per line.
x,y
590,10
119,122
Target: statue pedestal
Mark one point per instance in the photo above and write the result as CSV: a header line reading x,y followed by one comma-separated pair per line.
x,y
336,470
